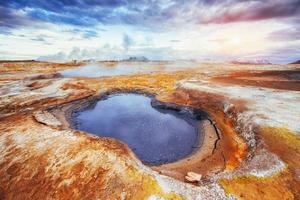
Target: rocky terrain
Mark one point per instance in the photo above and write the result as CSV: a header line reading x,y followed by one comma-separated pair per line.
x,y
254,152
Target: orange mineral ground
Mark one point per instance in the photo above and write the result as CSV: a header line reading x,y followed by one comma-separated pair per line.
x,y
254,153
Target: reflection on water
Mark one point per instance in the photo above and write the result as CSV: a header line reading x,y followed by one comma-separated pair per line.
x,y
156,137
125,68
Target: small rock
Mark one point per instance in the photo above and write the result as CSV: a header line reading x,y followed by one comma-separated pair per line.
x,y
193,177
47,118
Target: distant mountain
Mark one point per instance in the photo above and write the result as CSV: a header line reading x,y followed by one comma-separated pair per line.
x,y
137,58
251,62
297,62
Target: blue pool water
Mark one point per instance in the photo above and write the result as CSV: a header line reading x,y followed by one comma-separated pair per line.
x,y
155,135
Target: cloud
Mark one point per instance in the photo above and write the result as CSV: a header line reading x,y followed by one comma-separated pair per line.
x,y
147,42
153,27
175,41
145,13
291,34
237,11
10,19
5,31
108,52
127,42
39,39
60,56
90,34
44,39
102,53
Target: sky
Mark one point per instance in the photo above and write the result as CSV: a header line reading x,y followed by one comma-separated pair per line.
x,y
214,30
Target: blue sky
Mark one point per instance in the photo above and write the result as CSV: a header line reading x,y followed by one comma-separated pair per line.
x,y
157,29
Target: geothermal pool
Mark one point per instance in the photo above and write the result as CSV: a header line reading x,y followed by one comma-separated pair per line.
x,y
156,135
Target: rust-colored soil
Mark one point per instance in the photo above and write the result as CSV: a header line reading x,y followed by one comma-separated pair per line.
x,y
284,79
43,158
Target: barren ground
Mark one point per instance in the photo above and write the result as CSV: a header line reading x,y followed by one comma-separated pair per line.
x,y
255,153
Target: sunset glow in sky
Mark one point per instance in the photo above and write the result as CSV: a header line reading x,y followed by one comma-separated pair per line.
x,y
156,29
